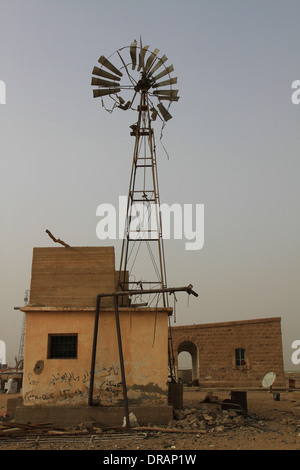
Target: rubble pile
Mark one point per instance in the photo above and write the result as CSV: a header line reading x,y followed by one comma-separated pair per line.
x,y
206,419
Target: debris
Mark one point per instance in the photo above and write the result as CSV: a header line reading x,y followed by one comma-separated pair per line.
x,y
57,240
207,417
263,428
132,420
192,431
86,426
219,428
12,424
210,398
11,386
229,405
178,414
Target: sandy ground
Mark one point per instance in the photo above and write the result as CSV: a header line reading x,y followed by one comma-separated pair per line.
x,y
279,429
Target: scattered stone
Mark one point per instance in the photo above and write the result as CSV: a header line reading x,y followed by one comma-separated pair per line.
x,y
227,420
86,426
220,428
238,420
193,421
189,411
178,414
191,417
211,419
202,425
207,417
210,398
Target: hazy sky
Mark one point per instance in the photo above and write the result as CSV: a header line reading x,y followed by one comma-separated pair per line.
x,y
233,145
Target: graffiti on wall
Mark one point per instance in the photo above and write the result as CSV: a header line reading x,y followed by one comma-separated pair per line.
x,y
73,387
66,385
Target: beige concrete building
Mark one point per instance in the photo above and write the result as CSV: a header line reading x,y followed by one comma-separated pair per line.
x,y
60,324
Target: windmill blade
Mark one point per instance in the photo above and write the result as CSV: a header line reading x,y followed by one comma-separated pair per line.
x,y
151,59
164,72
105,62
141,48
170,93
164,112
171,81
107,91
133,53
167,98
103,73
159,63
100,82
154,114
141,57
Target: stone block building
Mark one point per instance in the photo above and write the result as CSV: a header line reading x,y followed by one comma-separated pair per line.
x,y
232,354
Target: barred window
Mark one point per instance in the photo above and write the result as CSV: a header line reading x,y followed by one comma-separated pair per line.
x,y
63,346
240,357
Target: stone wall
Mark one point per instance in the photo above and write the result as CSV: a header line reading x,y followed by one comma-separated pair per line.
x,y
213,349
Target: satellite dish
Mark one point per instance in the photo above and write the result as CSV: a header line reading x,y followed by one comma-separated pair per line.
x,y
268,380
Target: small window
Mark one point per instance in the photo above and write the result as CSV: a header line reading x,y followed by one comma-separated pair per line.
x,y
62,346
240,357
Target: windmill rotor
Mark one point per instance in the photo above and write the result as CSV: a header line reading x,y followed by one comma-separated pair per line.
x,y
133,70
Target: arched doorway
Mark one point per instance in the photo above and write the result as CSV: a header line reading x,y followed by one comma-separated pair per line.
x,y
187,361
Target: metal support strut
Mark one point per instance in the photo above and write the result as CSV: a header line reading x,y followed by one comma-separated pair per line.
x,y
116,295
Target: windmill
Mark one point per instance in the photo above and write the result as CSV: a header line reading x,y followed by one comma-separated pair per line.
x,y
136,78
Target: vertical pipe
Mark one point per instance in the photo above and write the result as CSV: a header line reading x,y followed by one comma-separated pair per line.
x,y
94,351
121,361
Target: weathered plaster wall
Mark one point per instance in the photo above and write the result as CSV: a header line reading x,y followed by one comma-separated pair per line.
x,y
66,381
